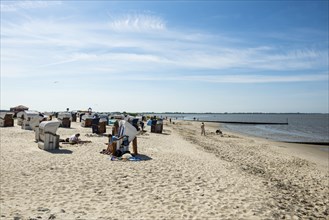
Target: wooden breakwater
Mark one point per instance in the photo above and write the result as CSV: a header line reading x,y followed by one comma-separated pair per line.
x,y
247,122
311,143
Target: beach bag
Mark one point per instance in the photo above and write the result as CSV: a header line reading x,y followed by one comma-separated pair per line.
x,y
118,153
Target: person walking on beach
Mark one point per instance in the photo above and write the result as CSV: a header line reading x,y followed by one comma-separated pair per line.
x,y
203,131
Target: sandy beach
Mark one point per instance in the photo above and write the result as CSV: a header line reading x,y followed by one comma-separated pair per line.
x,y
182,175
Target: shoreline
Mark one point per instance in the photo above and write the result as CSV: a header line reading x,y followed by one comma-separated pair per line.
x,y
318,153
220,124
308,143
300,127
280,164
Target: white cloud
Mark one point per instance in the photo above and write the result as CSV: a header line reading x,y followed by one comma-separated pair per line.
x,y
226,78
35,44
259,78
137,23
8,6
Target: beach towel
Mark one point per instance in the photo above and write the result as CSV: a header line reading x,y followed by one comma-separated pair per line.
x,y
123,158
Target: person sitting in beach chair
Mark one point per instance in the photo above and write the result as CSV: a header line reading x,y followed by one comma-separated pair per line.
x,y
124,147
112,144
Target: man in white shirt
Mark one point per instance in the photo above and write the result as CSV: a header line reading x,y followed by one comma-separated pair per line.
x,y
74,139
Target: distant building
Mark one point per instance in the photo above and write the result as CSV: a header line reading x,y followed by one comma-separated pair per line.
x,y
18,108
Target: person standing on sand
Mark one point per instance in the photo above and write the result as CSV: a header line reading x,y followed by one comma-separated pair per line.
x,y
95,123
203,131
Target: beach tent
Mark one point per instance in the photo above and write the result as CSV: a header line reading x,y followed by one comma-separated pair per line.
x,y
47,138
6,119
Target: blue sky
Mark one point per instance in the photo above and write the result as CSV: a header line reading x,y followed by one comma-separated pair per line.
x,y
165,56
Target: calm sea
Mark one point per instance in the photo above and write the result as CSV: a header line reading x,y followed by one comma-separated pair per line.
x,y
300,127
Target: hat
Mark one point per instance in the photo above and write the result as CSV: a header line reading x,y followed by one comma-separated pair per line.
x,y
126,156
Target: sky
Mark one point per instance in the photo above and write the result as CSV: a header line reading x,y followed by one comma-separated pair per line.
x,y
165,56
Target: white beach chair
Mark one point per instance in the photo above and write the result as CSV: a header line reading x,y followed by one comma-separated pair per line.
x,y
47,137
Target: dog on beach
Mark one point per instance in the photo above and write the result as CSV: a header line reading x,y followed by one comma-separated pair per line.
x,y
219,132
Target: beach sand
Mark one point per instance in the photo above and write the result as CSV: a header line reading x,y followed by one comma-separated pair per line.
x,y
183,175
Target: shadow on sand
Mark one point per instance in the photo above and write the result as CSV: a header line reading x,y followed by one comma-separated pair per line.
x,y
59,151
143,157
164,133
66,128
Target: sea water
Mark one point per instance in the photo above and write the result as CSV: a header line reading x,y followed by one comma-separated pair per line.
x,y
300,127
